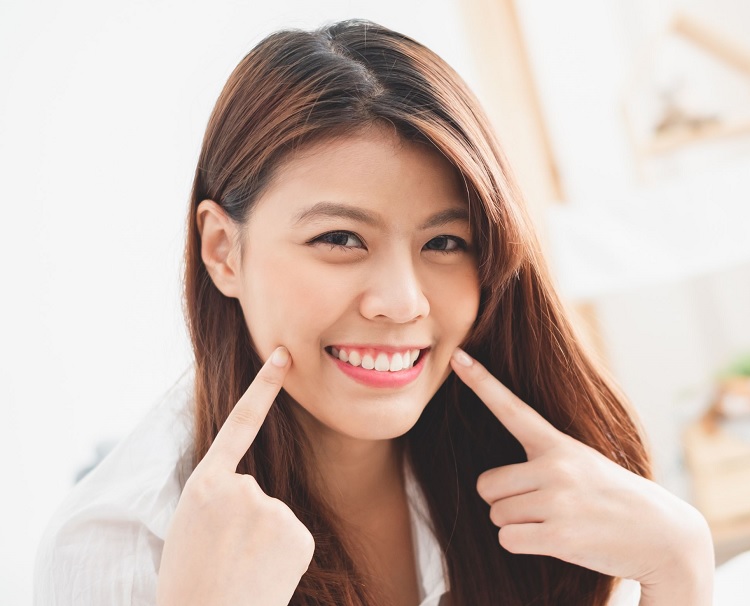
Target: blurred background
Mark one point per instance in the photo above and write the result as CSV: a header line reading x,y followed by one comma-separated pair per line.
x,y
627,123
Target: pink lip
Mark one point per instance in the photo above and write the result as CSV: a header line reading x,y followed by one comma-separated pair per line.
x,y
377,378
378,348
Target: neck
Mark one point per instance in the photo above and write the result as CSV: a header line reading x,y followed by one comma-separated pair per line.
x,y
357,476
363,482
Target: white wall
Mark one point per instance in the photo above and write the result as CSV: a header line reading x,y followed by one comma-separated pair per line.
x,y
666,342
102,111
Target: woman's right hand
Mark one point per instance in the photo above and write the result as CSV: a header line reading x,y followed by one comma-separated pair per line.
x,y
229,542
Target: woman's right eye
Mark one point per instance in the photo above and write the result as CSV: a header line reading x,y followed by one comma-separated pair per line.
x,y
339,239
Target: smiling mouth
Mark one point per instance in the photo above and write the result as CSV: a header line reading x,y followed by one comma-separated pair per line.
x,y
378,361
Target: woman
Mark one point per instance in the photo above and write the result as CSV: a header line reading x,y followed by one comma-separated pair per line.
x,y
389,403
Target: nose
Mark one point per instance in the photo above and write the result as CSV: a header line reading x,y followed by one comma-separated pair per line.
x,y
394,292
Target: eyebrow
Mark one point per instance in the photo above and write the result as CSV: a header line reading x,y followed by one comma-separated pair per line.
x,y
335,209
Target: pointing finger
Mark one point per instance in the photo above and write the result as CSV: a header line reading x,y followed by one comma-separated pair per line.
x,y
244,421
533,431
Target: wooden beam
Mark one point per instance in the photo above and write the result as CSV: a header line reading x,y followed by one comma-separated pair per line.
x,y
511,99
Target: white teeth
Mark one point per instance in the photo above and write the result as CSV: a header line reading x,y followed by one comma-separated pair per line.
x,y
381,362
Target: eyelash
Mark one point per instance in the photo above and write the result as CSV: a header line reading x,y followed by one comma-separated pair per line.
x,y
461,244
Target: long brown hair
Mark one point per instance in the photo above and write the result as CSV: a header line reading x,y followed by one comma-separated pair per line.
x,y
297,87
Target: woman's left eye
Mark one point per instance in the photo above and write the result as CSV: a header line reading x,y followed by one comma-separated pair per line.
x,y
447,244
340,239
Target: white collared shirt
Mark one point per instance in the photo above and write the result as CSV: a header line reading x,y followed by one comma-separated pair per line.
x,y
104,543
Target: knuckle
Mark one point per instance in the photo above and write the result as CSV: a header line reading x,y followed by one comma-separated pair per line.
x,y
515,407
203,488
509,539
283,513
481,374
563,503
572,502
244,416
273,511
288,525
562,468
561,534
306,543
250,487
483,483
497,515
267,377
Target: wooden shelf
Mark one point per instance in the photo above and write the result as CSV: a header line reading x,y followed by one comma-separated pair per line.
x,y
719,467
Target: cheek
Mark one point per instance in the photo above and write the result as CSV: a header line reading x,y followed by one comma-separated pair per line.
x,y
456,302
286,304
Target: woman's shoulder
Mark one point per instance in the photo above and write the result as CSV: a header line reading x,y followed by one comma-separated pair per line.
x,y
103,544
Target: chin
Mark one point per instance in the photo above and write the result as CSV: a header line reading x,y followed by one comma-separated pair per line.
x,y
381,432
387,423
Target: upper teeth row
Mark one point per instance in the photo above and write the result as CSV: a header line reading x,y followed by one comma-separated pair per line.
x,y
398,361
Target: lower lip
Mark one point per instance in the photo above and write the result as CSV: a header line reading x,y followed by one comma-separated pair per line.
x,y
378,378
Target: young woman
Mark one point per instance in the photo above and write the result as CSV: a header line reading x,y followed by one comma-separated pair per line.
x,y
388,403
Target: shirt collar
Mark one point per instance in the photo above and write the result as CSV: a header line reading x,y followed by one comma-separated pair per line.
x,y
432,576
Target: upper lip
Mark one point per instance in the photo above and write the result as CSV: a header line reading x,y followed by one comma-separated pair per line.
x,y
379,347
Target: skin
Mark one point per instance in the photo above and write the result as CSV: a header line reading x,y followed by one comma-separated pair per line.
x,y
336,279
228,540
571,502
386,285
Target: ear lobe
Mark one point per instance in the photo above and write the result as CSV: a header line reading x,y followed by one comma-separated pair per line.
x,y
218,234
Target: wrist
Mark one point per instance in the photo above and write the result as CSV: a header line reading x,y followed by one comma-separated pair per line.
x,y
685,576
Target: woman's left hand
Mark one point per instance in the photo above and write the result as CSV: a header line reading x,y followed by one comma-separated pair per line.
x,y
571,502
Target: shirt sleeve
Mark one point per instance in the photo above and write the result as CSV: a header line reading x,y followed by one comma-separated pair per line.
x,y
626,593
100,560
103,545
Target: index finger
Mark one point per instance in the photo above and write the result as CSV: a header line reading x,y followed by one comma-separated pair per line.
x,y
244,421
531,429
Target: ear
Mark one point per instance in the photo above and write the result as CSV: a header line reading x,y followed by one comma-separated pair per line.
x,y
218,234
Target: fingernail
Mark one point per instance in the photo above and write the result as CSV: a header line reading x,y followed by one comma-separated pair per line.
x,y
462,357
280,357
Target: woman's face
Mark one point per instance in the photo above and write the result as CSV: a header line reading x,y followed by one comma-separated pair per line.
x,y
361,250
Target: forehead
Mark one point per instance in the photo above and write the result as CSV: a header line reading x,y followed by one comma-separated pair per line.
x,y
375,165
